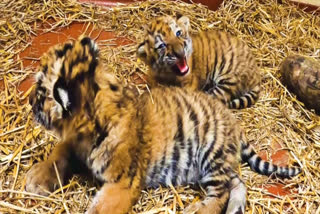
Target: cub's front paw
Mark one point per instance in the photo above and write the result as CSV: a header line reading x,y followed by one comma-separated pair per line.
x,y
41,178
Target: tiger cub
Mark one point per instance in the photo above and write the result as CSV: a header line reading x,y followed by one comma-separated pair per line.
x,y
131,143
212,61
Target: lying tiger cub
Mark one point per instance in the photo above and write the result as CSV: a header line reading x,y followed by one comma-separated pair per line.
x,y
211,61
129,144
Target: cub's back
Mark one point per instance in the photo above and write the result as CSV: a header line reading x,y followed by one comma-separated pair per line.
x,y
181,125
217,54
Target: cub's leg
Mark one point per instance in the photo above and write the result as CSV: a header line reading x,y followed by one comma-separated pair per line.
x,y
114,198
237,199
217,195
42,177
217,92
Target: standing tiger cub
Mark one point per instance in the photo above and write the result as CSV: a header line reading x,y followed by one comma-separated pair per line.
x,y
129,143
212,61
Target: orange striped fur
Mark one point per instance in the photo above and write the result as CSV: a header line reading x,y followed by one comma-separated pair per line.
x,y
129,143
211,61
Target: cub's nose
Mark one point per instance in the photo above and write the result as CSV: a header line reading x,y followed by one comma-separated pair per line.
x,y
178,50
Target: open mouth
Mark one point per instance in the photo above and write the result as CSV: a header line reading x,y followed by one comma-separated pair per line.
x,y
181,67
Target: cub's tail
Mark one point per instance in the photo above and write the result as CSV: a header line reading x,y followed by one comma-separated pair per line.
x,y
263,167
246,100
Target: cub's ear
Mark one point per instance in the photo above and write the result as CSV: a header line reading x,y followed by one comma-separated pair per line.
x,y
141,51
184,21
63,95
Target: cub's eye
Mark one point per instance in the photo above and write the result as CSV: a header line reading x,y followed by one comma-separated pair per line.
x,y
161,46
179,33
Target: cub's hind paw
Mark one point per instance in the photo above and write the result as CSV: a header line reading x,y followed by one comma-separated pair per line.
x,y
41,179
192,208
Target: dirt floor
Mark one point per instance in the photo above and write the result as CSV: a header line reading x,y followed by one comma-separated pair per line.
x,y
279,126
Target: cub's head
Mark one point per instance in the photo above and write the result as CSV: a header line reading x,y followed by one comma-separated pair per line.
x,y
167,46
63,81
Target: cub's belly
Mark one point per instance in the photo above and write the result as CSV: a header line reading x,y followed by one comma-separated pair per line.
x,y
171,172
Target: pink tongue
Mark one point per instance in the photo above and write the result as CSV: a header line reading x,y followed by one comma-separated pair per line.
x,y
182,65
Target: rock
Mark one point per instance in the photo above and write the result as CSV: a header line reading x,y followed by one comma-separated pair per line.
x,y
301,75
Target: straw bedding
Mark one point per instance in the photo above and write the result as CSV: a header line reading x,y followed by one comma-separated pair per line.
x,y
272,29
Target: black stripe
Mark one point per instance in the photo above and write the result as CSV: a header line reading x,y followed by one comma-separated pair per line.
x,y
98,126
231,148
233,104
86,41
266,167
95,87
219,153
244,145
213,183
216,166
223,60
226,82
101,137
284,172
226,89
215,63
164,175
179,136
119,176
217,90
163,160
210,149
80,137
194,118
229,69
213,196
61,53
207,153
141,44
207,116
201,58
223,63
88,109
45,69
154,172
241,103
159,38
80,76
133,169
249,100
245,157
104,166
229,46
175,162
255,164
212,166
193,58
63,70
254,94
190,156
82,59
208,57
